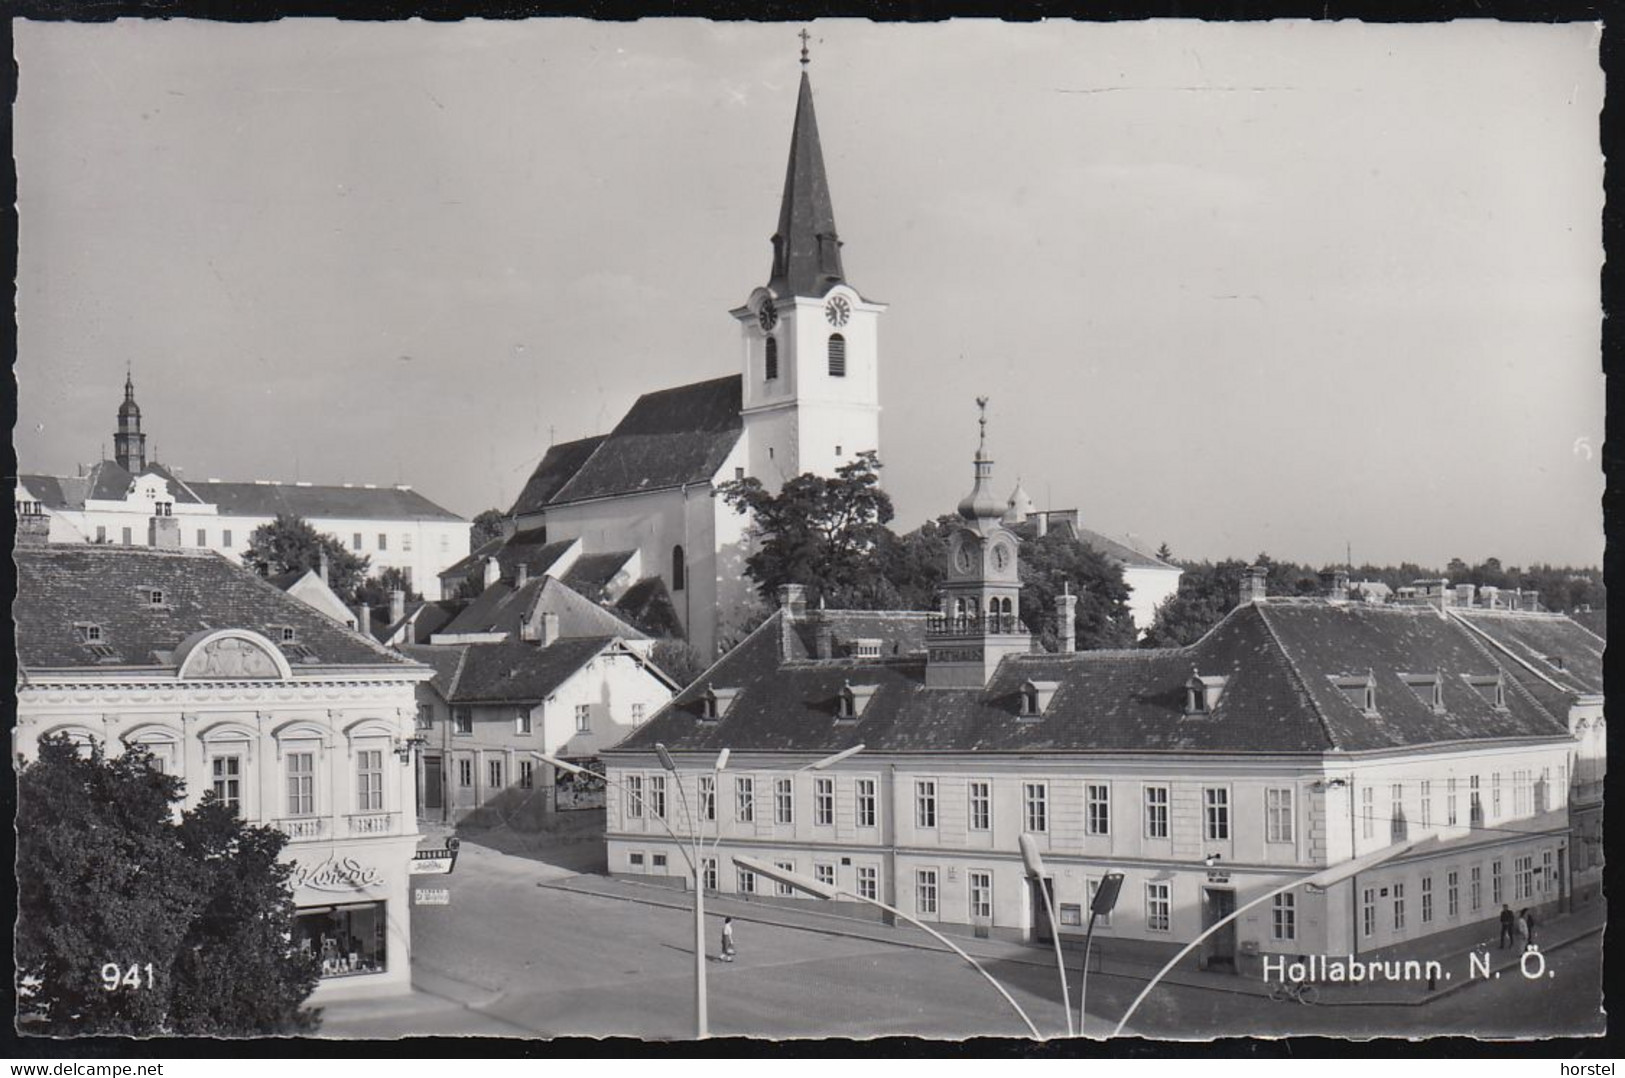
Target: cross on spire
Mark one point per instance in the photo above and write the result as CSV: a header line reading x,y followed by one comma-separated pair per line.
x,y
804,36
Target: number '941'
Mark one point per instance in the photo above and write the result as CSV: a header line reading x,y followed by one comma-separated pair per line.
x,y
116,977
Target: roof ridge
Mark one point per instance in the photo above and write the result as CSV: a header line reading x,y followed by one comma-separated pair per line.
x,y
1297,675
457,673
1478,637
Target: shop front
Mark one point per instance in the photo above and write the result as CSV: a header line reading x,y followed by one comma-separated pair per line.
x,y
353,914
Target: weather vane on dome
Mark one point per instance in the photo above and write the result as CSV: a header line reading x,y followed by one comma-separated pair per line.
x,y
981,441
804,36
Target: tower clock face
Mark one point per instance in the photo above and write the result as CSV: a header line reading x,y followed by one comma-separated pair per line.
x,y
965,558
1001,557
767,316
838,310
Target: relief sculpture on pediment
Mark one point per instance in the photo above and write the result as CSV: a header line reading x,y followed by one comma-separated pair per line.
x,y
231,657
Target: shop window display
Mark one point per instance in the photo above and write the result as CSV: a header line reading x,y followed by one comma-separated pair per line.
x,y
349,939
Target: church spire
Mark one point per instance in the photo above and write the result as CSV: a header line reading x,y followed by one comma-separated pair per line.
x,y
806,250
980,507
129,444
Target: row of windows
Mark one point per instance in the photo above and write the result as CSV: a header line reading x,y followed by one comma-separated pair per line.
x,y
1530,794
226,781
1216,808
1529,883
462,718
495,772
126,535
837,357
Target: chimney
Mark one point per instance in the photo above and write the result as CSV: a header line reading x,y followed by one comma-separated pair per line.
x,y
521,576
397,606
1254,584
823,636
549,623
363,619
793,603
1334,583
321,565
164,533
33,529
493,571
1464,595
1066,622
1041,524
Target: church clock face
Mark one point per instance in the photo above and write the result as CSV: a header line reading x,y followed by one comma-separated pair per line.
x,y
838,310
767,316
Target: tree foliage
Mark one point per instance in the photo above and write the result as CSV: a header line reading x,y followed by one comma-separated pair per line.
x,y
679,659
827,533
290,543
375,590
488,525
107,878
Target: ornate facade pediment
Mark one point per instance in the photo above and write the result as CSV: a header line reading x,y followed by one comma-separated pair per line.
x,y
233,655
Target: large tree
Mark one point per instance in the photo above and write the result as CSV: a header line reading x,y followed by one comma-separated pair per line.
x,y
375,590
825,532
131,923
1054,563
488,525
289,543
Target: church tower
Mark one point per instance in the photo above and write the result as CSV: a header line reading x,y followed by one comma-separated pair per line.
x,y
129,444
811,359
980,619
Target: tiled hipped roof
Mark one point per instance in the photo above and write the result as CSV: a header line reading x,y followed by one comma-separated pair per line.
x,y
667,439
1280,662
510,672
59,587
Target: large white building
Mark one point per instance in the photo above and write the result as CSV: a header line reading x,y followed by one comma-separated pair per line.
x,y
239,689
133,501
1297,735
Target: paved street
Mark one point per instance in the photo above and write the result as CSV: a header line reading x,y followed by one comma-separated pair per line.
x,y
510,958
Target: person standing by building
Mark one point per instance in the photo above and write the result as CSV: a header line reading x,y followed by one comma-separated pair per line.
x,y
1528,928
727,939
1508,926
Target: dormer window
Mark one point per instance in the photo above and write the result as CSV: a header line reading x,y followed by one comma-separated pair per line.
x,y
154,596
1361,691
288,634
1033,698
714,703
852,700
1202,693
1492,689
89,633
1429,688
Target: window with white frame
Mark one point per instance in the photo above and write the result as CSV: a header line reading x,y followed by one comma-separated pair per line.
x,y
1158,907
1425,793
1497,886
638,712
1156,812
493,768
783,801
1543,790
406,541
226,780
784,890
1495,795
868,882
925,803
1035,806
527,774
1368,812
1523,792
465,773
583,718
1523,878
1284,917
981,805
1547,875
1427,900
925,892
1475,888
1097,797
383,541
746,881
301,783
825,874
1475,803
521,720
823,801
708,874
657,860
1278,814
634,796
708,797
1399,906
745,799
1452,894
981,895
1396,811
1216,813
865,789
369,780
635,859
1368,911
657,796
355,541
1450,802
462,719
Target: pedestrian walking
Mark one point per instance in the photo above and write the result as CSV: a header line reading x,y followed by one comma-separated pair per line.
x,y
1508,926
727,939
1528,929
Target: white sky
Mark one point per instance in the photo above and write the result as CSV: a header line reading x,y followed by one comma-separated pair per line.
x,y
1233,287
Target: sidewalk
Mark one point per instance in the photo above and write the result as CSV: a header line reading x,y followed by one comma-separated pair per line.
x,y
1451,949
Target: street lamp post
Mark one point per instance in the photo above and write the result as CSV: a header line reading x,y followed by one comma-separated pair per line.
x,y
1320,880
1035,872
1104,902
829,891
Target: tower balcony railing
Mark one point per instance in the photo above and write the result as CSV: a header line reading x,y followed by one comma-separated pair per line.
x,y
973,624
